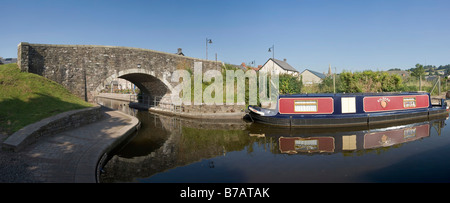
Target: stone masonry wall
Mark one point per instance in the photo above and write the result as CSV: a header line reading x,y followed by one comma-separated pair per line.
x,y
52,125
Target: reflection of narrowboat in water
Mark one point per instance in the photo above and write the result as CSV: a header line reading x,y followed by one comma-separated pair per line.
x,y
357,140
335,140
343,110
354,141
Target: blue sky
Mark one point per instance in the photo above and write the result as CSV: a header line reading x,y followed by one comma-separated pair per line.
x,y
351,35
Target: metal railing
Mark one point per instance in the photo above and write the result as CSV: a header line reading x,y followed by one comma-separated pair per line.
x,y
149,101
438,83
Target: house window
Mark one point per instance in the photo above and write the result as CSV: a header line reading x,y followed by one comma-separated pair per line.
x,y
305,106
348,104
409,102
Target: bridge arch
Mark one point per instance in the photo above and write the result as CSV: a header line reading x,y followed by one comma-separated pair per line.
x,y
145,80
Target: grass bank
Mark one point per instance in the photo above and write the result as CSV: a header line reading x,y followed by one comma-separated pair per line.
x,y
26,98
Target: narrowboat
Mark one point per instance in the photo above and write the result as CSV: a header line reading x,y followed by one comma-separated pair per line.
x,y
345,110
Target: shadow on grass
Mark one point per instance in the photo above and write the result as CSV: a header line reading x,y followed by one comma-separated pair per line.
x,y
16,113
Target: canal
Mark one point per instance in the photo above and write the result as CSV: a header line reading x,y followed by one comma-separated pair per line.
x,y
173,150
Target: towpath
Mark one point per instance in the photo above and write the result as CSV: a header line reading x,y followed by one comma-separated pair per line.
x,y
70,156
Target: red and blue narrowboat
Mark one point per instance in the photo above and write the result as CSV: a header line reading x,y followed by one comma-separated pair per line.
x,y
344,110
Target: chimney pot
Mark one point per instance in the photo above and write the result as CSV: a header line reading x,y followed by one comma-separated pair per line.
x,y
180,52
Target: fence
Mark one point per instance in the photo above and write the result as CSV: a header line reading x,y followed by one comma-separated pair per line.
x,y
148,101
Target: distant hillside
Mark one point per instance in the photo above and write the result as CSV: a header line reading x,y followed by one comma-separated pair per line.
x,y
26,98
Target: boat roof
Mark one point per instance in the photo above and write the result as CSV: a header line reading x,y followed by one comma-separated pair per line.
x,y
353,94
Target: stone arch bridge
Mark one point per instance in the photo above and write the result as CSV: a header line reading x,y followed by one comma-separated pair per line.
x,y
86,69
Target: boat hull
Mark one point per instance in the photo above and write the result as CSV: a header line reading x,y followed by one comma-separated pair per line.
x,y
348,121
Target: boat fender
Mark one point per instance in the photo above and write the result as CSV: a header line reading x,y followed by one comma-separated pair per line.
x,y
256,111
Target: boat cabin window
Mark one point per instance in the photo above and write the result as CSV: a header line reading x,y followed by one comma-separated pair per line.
x,y
348,104
409,133
306,145
409,102
305,106
349,142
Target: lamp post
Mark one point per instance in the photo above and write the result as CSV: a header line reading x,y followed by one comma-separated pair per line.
x,y
208,41
252,63
272,49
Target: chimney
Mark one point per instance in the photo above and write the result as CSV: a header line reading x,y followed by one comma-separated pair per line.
x,y
180,52
284,60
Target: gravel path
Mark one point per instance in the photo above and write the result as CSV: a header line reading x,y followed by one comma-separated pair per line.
x,y
14,167
69,156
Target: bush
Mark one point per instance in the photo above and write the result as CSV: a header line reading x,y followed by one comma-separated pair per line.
x,y
289,84
369,81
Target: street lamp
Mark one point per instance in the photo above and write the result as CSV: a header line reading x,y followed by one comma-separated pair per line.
x,y
252,63
272,49
210,42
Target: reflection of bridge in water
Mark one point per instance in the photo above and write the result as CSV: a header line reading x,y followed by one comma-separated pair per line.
x,y
166,142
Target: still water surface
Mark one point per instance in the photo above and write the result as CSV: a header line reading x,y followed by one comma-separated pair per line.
x,y
173,150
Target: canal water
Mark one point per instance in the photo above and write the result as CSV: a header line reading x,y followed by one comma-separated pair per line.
x,y
173,150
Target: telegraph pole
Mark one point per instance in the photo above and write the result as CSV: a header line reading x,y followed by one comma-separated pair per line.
x,y
334,79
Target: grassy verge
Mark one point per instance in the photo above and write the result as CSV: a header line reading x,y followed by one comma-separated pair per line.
x,y
26,98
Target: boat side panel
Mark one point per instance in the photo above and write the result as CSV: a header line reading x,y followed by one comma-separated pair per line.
x,y
325,105
393,103
393,137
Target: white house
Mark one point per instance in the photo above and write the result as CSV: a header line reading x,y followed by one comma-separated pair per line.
x,y
278,67
310,77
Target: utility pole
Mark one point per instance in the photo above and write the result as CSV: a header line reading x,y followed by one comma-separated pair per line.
x,y
334,78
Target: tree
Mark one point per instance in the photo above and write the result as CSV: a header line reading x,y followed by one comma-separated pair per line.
x,y
418,72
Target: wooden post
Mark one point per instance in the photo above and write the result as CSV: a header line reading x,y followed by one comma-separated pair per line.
x,y
439,85
420,83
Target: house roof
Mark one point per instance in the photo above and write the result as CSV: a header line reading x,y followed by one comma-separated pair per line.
x,y
320,75
283,64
